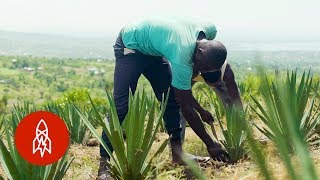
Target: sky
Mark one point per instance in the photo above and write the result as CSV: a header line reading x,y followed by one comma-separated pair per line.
x,y
255,19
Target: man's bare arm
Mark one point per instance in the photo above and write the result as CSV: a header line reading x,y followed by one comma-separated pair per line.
x,y
185,100
232,86
227,89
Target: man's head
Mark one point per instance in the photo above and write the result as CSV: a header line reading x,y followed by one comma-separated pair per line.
x,y
209,55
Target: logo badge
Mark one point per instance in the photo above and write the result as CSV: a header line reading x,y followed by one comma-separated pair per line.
x,y
42,142
42,138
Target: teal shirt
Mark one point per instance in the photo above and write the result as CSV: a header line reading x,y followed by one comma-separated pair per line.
x,y
174,39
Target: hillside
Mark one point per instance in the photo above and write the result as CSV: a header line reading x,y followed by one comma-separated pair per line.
x,y
17,43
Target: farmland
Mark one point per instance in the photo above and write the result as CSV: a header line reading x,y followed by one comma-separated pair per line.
x,y
55,84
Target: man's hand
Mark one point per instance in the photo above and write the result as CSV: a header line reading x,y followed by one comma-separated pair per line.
x,y
206,116
187,104
217,153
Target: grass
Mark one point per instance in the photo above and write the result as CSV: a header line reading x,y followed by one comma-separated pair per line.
x,y
8,72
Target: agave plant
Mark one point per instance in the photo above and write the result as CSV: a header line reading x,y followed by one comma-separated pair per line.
x,y
200,91
79,132
130,158
150,99
289,123
235,133
215,103
236,128
2,124
249,86
15,167
287,94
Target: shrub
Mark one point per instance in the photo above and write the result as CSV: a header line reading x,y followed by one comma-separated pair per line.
x,y
79,97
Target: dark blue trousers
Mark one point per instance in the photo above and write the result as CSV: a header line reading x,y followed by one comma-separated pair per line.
x,y
129,67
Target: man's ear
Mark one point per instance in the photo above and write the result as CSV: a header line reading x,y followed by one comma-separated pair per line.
x,y
199,51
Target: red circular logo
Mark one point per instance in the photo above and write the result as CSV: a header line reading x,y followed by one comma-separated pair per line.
x,y
42,138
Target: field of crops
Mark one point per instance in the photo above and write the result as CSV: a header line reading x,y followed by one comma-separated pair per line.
x,y
276,136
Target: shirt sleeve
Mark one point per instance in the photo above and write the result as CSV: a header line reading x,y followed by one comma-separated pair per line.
x,y
179,50
181,76
210,30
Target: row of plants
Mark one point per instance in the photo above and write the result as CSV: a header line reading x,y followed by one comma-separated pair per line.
x,y
297,97
289,111
290,115
249,86
79,132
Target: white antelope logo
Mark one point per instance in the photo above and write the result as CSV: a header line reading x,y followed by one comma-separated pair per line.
x,y
42,142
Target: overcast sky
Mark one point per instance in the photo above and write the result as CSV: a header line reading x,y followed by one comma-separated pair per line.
x,y
253,18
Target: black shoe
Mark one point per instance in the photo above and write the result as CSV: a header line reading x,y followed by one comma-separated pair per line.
x,y
176,151
104,172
